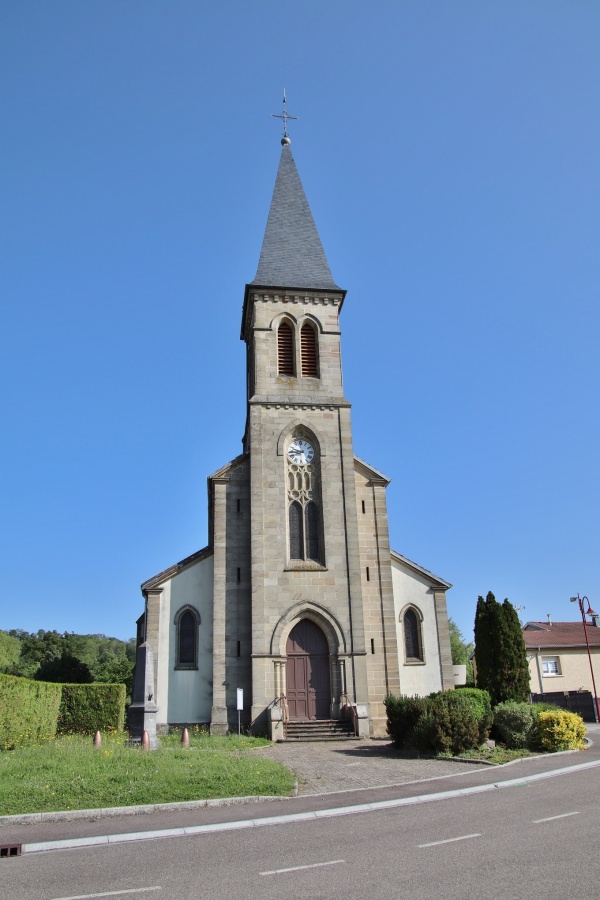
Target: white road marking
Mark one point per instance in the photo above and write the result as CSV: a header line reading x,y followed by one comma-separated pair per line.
x,y
332,862
111,893
464,837
108,839
552,818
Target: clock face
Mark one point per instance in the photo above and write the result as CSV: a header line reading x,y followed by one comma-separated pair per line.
x,y
300,452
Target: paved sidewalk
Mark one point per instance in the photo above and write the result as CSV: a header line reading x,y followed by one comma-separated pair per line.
x,y
323,767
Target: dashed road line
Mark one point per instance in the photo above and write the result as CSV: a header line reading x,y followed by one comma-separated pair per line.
x,y
141,890
332,862
553,818
463,837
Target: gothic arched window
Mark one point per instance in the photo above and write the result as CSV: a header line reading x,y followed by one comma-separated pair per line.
x,y
304,498
309,351
413,643
285,349
187,623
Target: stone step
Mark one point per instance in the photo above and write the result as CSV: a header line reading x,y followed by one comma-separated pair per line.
x,y
319,730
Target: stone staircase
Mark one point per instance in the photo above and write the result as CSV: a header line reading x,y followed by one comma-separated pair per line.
x,y
319,730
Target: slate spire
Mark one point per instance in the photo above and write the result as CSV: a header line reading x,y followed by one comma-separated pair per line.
x,y
292,255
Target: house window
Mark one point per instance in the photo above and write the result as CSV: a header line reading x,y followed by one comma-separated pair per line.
x,y
309,351
187,623
285,349
550,665
413,643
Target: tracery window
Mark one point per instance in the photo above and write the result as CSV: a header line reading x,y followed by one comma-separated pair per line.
x,y
304,499
187,623
413,643
285,349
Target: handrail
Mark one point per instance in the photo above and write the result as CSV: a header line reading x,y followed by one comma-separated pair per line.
x,y
284,708
350,711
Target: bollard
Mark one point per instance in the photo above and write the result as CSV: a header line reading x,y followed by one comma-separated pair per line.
x,y
145,741
185,738
97,739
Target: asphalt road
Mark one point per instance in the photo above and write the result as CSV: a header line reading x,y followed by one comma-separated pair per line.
x,y
538,838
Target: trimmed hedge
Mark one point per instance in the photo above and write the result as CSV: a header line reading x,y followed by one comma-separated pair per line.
x,y
28,711
481,705
86,708
449,725
560,730
403,713
515,724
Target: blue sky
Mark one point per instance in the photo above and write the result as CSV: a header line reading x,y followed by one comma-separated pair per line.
x,y
449,152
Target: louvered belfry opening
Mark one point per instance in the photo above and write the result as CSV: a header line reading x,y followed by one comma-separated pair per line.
x,y
285,349
308,346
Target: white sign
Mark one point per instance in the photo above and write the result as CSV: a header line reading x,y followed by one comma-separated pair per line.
x,y
240,698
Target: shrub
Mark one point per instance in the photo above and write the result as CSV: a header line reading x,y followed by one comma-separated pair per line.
x,y
482,707
515,724
86,708
449,725
28,711
560,730
403,713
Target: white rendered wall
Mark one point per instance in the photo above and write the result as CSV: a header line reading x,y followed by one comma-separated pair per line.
x,y
410,588
185,695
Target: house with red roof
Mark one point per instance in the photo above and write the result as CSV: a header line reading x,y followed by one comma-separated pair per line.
x,y
558,657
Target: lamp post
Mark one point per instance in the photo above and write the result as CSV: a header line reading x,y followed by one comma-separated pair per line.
x,y
588,612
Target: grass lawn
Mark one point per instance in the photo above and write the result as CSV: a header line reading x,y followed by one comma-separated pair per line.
x,y
70,773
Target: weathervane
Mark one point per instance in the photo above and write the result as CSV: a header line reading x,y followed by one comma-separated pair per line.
x,y
284,116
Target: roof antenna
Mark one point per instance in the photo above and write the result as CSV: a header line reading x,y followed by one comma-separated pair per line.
x,y
284,116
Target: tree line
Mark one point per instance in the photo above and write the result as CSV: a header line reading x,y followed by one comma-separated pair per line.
x,y
68,658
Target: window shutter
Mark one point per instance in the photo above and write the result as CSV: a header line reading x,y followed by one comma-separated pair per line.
x,y
308,347
285,350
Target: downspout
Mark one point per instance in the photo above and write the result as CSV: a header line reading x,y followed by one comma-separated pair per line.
x,y
539,669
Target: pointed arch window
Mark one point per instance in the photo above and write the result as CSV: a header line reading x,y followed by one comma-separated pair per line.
x,y
304,500
285,349
413,639
309,351
296,531
187,626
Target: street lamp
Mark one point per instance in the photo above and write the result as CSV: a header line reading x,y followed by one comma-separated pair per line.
x,y
588,612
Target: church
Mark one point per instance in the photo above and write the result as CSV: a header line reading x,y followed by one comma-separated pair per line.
x,y
297,599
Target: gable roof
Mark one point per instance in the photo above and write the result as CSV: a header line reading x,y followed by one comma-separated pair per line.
x,y
292,254
559,634
434,580
156,580
369,471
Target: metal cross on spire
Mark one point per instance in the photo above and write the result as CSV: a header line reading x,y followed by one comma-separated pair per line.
x,y
284,116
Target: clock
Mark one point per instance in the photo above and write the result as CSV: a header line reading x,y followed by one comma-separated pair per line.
x,y
300,452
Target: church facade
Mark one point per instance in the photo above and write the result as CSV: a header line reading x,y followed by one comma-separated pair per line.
x,y
298,598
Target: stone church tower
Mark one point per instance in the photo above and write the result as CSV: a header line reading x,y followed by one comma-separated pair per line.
x,y
297,598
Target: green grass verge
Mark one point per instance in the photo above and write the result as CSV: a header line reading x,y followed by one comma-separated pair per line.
x,y
497,755
70,773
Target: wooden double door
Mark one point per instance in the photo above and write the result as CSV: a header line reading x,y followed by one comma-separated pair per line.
x,y
307,672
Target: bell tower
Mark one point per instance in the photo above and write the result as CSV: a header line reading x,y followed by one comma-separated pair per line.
x,y
304,525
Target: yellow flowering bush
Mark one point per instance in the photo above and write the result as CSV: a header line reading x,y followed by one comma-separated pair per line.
x,y
560,730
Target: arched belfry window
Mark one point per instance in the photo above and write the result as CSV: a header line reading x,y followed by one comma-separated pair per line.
x,y
187,625
413,638
309,351
304,498
285,349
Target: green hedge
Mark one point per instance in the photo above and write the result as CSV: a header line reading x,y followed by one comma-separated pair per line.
x,y
482,707
86,708
28,711
403,714
449,725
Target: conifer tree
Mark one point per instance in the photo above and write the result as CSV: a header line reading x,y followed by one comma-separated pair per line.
x,y
500,656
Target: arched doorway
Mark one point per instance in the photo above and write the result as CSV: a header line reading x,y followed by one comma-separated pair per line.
x,y
307,672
